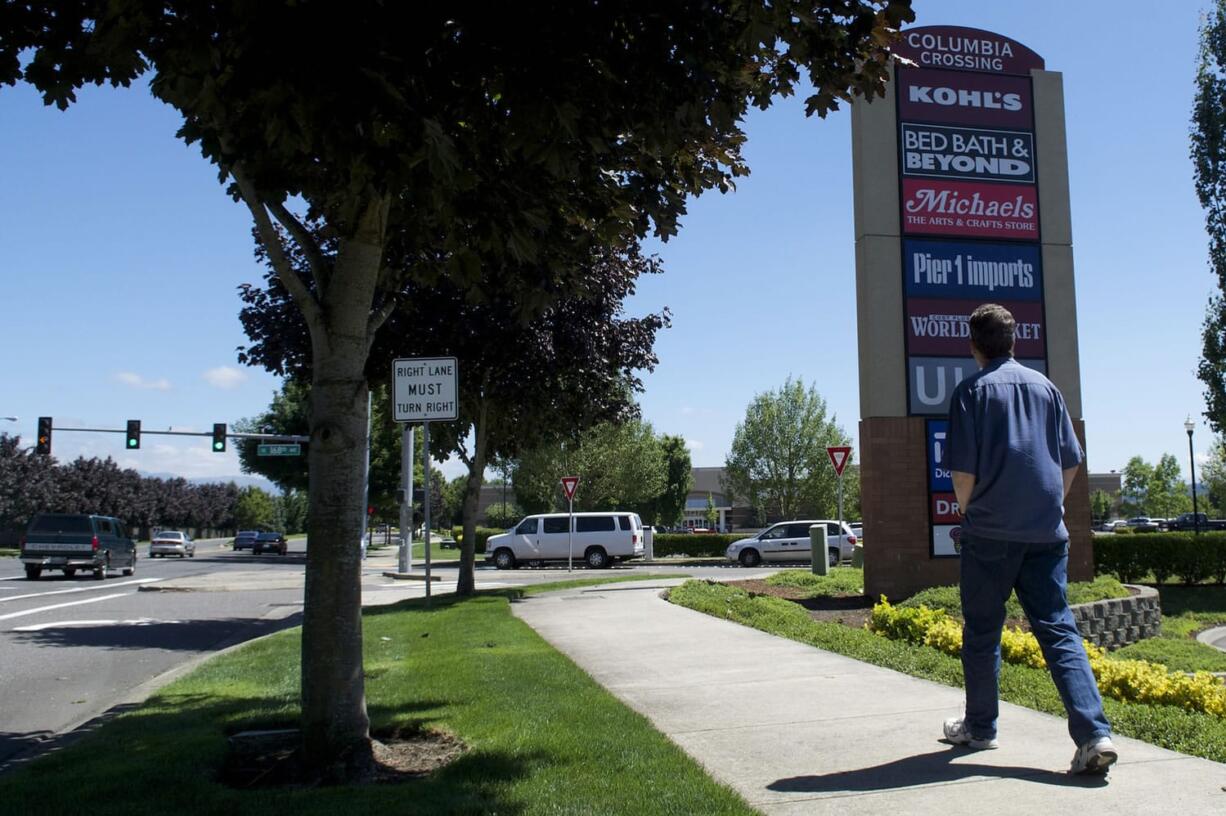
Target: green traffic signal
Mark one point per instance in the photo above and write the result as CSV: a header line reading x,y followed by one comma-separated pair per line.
x,y
133,434
219,437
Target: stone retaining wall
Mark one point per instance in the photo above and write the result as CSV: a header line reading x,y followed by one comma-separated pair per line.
x,y
1120,621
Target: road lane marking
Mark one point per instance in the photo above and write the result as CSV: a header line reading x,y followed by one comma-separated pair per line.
x,y
79,624
90,588
23,613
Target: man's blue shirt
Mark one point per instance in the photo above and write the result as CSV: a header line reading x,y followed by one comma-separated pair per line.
x,y
1008,426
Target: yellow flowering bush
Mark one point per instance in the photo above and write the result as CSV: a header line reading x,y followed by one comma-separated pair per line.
x,y
1137,681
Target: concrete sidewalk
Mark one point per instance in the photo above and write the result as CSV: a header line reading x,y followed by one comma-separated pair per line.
x,y
797,730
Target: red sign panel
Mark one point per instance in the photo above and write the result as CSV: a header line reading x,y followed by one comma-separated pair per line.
x,y
945,508
962,98
942,327
966,49
838,457
569,485
970,209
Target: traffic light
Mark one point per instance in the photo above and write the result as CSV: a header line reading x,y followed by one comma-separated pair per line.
x,y
133,434
219,437
43,443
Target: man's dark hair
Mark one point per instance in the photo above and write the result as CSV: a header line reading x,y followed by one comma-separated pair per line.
x,y
992,330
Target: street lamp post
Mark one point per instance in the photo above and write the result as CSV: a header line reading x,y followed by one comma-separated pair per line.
x,y
1189,425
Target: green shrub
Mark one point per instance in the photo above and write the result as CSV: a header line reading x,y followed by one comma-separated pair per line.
x,y
1179,654
1190,557
695,545
842,582
482,535
949,599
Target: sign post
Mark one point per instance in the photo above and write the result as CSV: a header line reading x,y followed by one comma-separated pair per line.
x,y
425,390
425,512
405,561
569,485
839,455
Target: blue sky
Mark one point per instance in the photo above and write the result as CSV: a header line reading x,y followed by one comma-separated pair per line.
x,y
120,256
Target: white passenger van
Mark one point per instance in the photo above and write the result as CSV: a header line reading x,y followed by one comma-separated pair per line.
x,y
600,540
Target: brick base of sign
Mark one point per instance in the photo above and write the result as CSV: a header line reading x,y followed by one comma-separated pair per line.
x,y
1121,621
894,503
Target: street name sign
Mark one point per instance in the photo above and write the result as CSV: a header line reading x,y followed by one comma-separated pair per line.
x,y
279,450
425,389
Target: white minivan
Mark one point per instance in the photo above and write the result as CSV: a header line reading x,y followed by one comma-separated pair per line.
x,y
789,541
600,540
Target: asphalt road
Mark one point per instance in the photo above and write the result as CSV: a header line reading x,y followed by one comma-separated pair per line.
x,y
72,649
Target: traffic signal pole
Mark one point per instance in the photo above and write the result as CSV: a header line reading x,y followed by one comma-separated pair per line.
x,y
127,431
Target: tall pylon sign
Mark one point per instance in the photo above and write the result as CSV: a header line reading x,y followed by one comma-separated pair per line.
x,y
961,198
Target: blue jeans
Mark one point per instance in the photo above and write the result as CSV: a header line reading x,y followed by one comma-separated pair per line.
x,y
991,570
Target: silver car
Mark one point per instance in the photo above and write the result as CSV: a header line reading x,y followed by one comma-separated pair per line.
x,y
789,541
172,542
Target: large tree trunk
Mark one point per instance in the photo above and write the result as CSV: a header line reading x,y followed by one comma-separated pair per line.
x,y
335,726
466,583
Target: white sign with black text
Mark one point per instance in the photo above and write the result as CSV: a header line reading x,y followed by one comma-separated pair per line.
x,y
425,389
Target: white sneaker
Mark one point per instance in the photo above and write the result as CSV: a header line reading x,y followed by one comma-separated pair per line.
x,y
1095,757
955,732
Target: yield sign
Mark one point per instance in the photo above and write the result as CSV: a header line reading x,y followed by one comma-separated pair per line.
x,y
569,484
838,457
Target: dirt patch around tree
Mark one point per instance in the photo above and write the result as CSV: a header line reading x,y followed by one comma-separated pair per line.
x,y
852,610
273,759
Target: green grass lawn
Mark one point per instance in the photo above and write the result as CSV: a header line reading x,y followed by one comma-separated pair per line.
x,y
841,582
543,738
1193,733
1185,611
5,552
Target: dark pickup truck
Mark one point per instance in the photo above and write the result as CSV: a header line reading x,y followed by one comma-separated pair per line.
x,y
71,542
1195,521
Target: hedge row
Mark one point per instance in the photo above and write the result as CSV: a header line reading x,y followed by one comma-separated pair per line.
x,y
482,535
1189,557
695,545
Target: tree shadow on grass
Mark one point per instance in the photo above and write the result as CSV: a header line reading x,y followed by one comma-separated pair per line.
x,y
934,768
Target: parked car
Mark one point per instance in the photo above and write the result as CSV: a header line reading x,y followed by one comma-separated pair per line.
x,y
245,539
857,529
172,542
599,540
1143,524
1195,521
76,541
1116,524
269,542
789,541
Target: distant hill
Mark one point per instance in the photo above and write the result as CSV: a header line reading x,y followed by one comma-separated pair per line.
x,y
242,480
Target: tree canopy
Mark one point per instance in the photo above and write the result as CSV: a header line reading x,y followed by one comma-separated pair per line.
x,y
778,456
471,136
1209,172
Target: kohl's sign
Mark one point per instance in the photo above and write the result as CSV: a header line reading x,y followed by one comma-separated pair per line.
x,y
959,98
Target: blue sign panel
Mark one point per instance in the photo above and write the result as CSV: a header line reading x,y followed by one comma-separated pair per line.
x,y
939,480
972,271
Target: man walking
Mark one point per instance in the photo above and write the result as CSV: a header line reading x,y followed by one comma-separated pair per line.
x,y
1013,455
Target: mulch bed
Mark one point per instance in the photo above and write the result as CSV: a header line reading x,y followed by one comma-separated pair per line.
x,y
272,759
850,611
